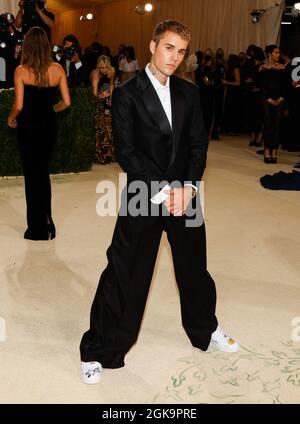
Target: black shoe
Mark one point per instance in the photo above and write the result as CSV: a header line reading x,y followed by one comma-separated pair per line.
x,y
267,160
260,152
252,143
51,231
258,144
36,236
274,160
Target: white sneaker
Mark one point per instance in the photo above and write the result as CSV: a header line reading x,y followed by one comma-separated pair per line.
x,y
220,341
91,372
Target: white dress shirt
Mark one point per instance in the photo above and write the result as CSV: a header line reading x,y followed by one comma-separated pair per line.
x,y
163,92
68,64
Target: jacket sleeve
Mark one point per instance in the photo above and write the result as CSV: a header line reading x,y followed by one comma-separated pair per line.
x,y
123,112
198,142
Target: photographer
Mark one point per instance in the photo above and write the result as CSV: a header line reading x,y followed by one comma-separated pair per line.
x,y
69,57
10,42
34,13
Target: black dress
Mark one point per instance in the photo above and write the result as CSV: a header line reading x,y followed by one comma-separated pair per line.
x,y
36,134
233,106
273,83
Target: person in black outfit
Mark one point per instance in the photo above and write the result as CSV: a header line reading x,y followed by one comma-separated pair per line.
x,y
220,70
207,89
35,14
253,97
272,80
69,57
91,55
160,136
117,59
233,112
33,114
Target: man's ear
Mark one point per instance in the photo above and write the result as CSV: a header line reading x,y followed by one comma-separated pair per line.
x,y
152,46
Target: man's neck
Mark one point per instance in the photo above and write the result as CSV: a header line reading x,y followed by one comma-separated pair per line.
x,y
157,74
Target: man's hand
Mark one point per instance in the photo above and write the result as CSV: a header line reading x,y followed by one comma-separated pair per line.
x,y
178,200
19,17
275,102
49,22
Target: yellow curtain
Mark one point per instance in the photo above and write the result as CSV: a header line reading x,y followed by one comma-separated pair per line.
x,y
225,23
10,6
213,23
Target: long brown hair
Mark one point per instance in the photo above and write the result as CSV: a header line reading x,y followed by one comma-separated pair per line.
x,y
36,54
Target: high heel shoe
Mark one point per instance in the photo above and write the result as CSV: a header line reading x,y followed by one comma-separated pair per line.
x,y
51,231
274,160
267,159
36,235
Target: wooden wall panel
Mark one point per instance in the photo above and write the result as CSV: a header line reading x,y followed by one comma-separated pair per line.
x,y
213,23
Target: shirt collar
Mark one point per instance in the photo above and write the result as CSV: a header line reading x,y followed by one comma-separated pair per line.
x,y
157,85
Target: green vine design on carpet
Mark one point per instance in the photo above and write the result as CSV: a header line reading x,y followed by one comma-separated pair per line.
x,y
248,376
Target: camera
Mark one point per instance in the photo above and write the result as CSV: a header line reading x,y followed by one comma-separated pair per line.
x,y
69,52
5,20
29,5
57,49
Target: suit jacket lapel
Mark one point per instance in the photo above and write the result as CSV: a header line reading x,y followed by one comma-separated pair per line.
x,y
178,108
153,104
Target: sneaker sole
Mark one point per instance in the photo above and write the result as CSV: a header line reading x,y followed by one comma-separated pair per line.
x,y
90,381
232,349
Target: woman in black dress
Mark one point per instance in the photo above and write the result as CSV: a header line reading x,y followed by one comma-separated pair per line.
x,y
272,79
33,114
233,116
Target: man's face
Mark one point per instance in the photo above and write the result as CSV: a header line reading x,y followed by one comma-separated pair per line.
x,y
168,54
67,44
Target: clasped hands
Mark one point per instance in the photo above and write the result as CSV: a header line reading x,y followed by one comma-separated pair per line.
x,y
275,102
178,200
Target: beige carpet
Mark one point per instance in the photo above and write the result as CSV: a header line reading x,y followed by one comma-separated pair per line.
x,y
47,288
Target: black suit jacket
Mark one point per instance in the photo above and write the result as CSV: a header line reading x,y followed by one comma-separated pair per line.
x,y
77,77
146,147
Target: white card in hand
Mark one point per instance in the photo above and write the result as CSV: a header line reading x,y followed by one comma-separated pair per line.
x,y
160,197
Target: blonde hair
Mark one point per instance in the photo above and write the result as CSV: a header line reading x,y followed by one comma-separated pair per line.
x,y
172,26
36,54
103,59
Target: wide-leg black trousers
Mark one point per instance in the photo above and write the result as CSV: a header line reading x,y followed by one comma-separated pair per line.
x,y
119,303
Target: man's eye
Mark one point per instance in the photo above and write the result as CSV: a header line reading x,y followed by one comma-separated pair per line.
x,y
169,48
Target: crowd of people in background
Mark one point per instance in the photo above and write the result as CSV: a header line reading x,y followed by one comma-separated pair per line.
x,y
247,93
251,93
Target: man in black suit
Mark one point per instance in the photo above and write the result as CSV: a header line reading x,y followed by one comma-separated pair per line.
x,y
159,135
69,57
